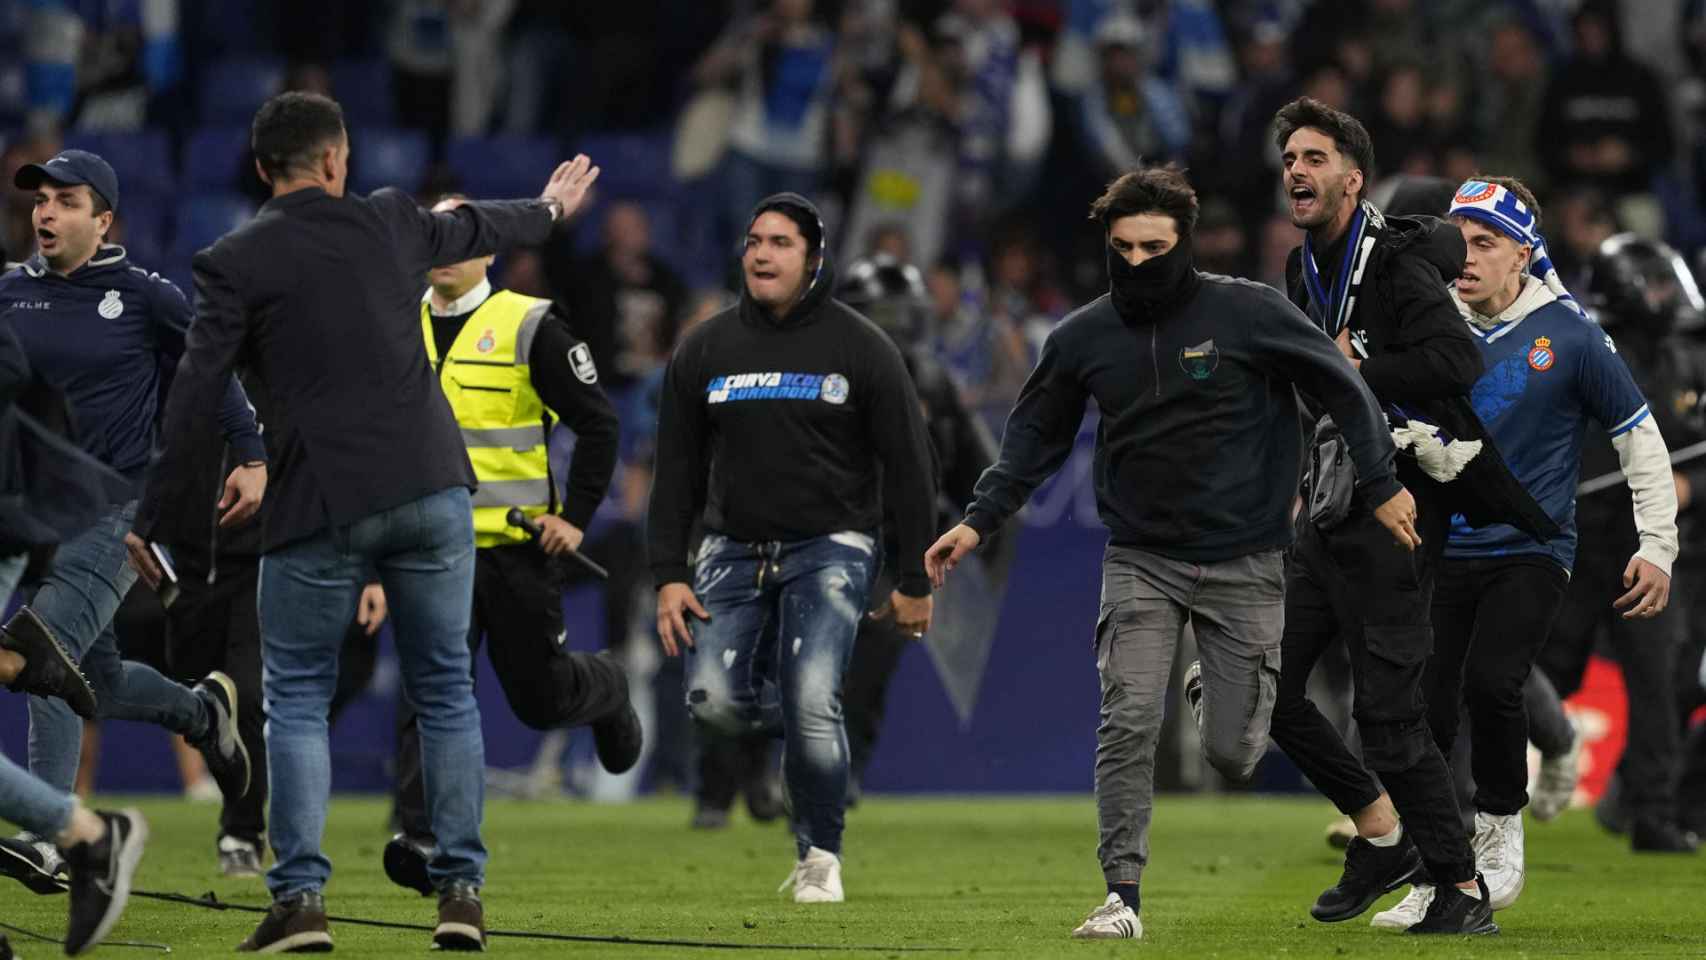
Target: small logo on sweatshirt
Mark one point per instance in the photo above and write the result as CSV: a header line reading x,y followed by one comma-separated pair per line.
x,y
111,307
834,389
1541,357
1199,362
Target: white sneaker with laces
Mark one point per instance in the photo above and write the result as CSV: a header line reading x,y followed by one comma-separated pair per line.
x,y
1555,784
816,879
1113,920
1409,910
1499,856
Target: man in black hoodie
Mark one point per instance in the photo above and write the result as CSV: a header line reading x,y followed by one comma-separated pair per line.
x,y
1377,285
789,425
1198,455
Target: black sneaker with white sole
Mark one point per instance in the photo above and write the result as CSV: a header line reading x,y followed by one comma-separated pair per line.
x,y
295,924
1455,912
49,669
1371,872
221,746
100,878
406,859
34,863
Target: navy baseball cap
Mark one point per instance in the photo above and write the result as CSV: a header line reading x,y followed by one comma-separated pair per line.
x,y
72,167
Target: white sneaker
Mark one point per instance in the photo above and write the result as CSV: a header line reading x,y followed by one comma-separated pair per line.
x,y
816,879
1113,920
1499,856
1409,910
1555,785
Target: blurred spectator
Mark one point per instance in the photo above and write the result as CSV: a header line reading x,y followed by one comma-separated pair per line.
x,y
891,239
447,62
1195,57
17,233
1219,244
1578,221
1405,139
623,301
984,351
1241,161
1020,290
1511,102
782,65
1130,117
523,270
477,72
1604,122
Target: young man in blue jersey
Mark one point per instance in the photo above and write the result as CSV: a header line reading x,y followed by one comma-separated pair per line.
x,y
108,334
1549,370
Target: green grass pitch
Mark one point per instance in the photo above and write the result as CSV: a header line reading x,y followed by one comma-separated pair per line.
x,y
1010,877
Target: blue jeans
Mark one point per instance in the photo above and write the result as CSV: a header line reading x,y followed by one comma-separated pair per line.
x,y
91,574
25,800
424,554
807,598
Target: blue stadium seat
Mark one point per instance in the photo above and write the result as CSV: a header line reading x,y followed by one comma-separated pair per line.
x,y
143,161
496,167
363,89
204,218
231,90
387,158
630,163
143,220
213,155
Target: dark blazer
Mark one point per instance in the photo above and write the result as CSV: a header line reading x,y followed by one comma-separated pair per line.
x,y
318,297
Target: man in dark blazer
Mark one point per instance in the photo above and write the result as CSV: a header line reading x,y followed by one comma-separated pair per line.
x,y
319,297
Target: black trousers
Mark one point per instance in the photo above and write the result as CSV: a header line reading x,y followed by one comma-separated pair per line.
x,y
518,605
1490,619
1648,653
1355,581
211,626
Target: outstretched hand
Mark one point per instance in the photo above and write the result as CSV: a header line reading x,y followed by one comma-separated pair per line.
x,y
570,183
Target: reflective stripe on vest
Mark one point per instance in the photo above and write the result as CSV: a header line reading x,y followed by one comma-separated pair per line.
x,y
486,379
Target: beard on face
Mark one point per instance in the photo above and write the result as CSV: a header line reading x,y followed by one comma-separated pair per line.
x,y
1321,205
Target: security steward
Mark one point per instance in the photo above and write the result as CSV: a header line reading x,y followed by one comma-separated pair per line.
x,y
511,371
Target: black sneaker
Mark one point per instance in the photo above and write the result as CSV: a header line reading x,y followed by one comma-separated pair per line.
x,y
239,857
1650,835
34,863
619,736
227,758
461,919
1611,812
710,818
293,925
1371,872
100,878
1193,690
49,669
1455,912
406,860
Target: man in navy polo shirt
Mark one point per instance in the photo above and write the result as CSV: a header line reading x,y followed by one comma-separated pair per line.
x,y
109,335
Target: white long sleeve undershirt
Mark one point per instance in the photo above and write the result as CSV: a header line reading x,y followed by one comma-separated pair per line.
x,y
1646,465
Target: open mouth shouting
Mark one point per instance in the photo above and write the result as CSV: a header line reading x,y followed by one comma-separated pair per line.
x,y
47,240
1303,200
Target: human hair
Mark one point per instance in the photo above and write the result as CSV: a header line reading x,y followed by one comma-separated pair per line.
x,y
1520,189
291,128
1163,190
98,203
1347,132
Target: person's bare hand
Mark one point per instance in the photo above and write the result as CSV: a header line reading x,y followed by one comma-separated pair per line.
x,y
675,601
1398,515
570,183
142,561
1649,591
558,536
244,490
370,609
911,615
946,553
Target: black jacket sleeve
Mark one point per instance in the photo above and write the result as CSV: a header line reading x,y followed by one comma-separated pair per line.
x,y
1429,353
895,424
14,367
1038,439
581,405
683,468
172,320
471,230
174,496
1285,342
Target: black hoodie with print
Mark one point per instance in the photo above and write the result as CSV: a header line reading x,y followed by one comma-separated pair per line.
x,y
1199,446
789,429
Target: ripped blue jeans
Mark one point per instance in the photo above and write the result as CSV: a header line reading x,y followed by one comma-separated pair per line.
x,y
806,598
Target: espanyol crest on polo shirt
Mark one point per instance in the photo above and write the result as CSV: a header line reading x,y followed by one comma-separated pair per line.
x,y
111,306
1540,356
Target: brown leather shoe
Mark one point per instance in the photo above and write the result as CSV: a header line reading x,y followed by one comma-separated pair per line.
x,y
293,925
461,919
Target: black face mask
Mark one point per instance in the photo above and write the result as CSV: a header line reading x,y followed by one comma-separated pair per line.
x,y
1155,286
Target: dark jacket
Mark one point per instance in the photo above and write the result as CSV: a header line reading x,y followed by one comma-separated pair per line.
x,y
1199,449
109,336
788,430
1423,363
319,298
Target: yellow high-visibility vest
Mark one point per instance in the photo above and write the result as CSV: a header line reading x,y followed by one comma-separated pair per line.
x,y
504,422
